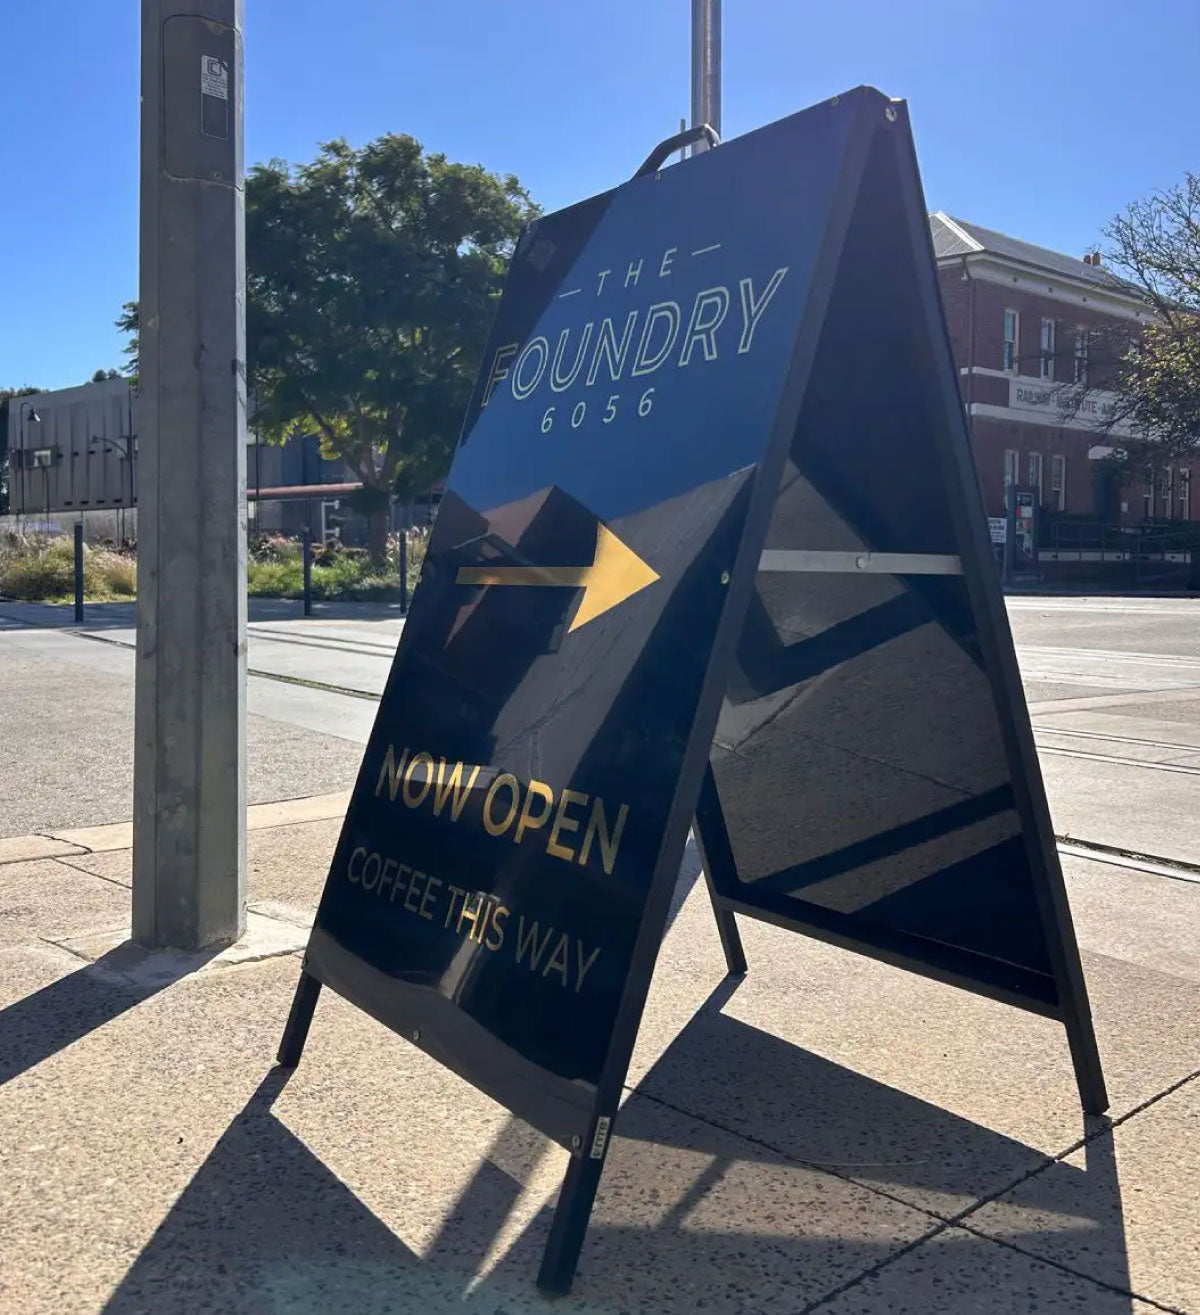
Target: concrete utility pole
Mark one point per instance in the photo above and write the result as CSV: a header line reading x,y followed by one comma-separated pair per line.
x,y
189,837
706,66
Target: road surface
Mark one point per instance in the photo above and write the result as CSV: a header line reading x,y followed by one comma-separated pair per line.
x,y
1113,687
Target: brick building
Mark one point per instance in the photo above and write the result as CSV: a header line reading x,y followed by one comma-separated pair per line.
x,y
1028,326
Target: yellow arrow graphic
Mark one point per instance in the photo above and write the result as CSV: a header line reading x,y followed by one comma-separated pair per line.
x,y
616,573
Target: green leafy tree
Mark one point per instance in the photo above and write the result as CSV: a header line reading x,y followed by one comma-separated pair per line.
x,y
1155,374
372,278
130,323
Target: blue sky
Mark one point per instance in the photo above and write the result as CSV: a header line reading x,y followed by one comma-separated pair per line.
x,y
1040,119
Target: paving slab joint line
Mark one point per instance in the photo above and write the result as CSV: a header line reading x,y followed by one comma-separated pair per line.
x,y
959,1220
66,949
945,1222
72,850
1064,1268
765,1145
62,859
77,848
956,1221
1109,1126
872,1270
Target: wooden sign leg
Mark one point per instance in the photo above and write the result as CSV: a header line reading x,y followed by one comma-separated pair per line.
x,y
308,989
1089,1075
569,1225
727,930
712,840
1075,1009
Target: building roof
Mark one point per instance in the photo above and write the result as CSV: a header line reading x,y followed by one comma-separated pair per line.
x,y
957,237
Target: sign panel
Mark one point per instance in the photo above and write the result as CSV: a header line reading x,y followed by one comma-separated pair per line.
x,y
715,451
515,798
998,529
873,771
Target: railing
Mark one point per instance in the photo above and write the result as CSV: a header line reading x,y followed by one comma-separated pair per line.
x,y
1146,542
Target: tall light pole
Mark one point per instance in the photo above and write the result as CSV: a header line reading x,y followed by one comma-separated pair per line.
x,y
706,66
189,829
124,445
23,419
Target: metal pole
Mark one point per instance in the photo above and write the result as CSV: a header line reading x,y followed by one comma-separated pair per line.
x,y
306,550
79,572
706,66
189,838
23,422
403,570
131,456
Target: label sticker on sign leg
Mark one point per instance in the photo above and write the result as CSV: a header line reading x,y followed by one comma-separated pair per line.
x,y
600,1140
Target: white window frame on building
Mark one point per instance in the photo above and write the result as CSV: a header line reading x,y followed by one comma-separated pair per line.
x,y
1035,474
327,534
1058,481
1185,493
1046,355
1082,352
1012,469
1166,491
1012,341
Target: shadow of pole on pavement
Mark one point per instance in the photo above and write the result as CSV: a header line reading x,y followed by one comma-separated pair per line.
x,y
39,1025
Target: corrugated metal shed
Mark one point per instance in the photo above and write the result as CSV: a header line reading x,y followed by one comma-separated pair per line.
x,y
78,455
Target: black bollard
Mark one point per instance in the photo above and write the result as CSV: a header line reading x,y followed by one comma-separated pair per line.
x,y
306,542
79,572
404,572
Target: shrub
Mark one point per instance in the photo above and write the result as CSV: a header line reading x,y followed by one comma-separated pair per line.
x,y
36,569
117,572
33,568
274,579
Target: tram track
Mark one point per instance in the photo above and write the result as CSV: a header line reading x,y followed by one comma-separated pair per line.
x,y
1175,769
1114,738
1121,760
383,650
361,647
1085,745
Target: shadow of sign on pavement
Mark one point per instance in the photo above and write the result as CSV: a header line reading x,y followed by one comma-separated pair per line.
x,y
739,1223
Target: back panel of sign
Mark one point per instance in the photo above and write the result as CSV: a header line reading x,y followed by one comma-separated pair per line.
x,y
861,768
526,784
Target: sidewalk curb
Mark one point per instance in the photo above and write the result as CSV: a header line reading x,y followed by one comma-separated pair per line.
x,y
29,849
119,835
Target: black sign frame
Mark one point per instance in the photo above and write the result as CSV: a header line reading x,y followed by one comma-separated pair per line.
x,y
695,795
1000,666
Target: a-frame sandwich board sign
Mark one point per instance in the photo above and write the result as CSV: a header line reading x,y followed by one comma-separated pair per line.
x,y
677,444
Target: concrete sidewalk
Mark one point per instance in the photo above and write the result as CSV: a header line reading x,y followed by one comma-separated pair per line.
x,y
828,1135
